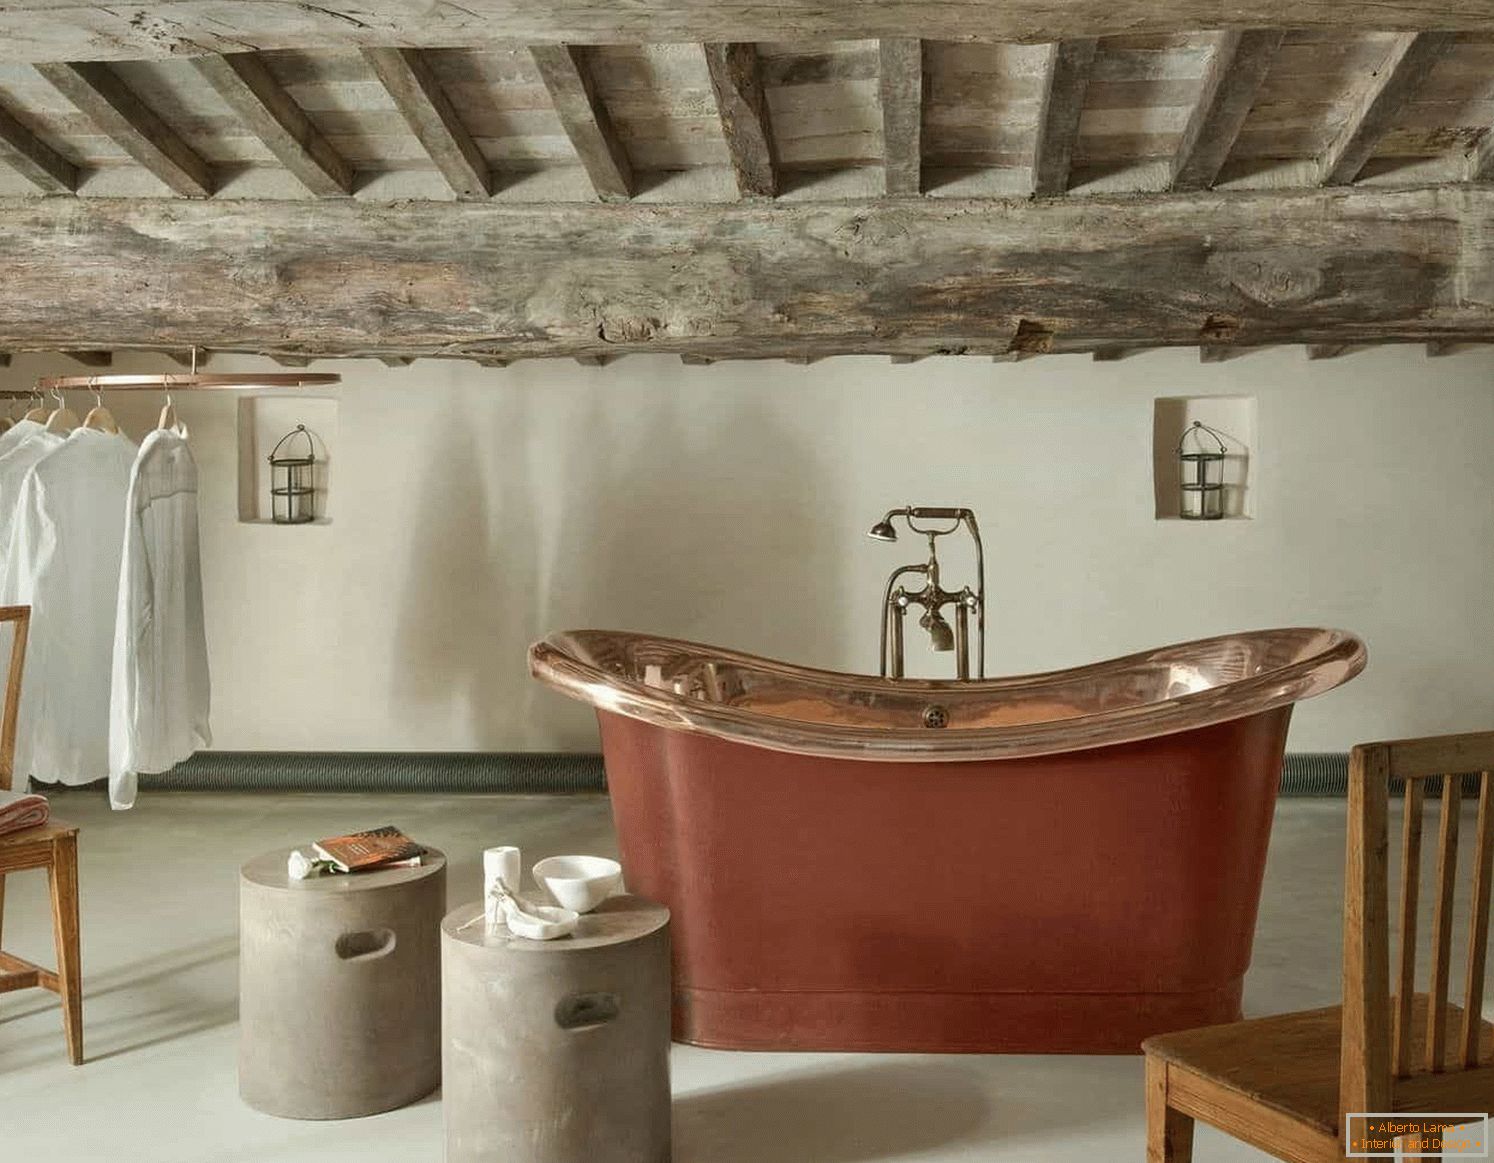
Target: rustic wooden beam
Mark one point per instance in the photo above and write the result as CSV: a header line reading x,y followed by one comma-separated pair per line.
x,y
272,115
423,103
564,71
1327,350
696,360
91,358
1441,348
34,159
901,86
292,360
1231,80
593,360
1480,164
1065,82
98,93
743,109
1411,58
1113,354
887,276
51,30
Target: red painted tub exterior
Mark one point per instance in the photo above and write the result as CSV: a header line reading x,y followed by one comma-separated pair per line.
x,y
1067,902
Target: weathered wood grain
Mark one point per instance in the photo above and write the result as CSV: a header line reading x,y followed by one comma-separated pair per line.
x,y
737,83
423,103
51,30
563,69
741,279
34,159
1230,84
273,116
1411,59
901,87
1066,75
98,92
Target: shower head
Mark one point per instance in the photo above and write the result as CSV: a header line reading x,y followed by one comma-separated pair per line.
x,y
883,530
941,635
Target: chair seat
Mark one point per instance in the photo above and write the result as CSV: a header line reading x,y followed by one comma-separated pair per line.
x,y
1290,1062
41,834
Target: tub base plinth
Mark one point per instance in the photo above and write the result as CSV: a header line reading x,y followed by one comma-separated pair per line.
x,y
954,1023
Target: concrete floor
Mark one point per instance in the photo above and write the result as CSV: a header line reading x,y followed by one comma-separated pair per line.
x,y
160,958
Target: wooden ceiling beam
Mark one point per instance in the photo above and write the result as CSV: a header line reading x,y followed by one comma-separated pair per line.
x,y
423,103
270,113
900,82
1231,80
1407,65
565,73
740,103
888,276
34,159
91,358
97,91
1065,81
52,30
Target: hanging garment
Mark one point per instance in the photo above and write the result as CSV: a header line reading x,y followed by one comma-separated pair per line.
x,y
18,432
64,563
161,692
14,467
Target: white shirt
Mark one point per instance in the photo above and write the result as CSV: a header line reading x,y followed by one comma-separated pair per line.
x,y
160,699
14,465
64,563
18,432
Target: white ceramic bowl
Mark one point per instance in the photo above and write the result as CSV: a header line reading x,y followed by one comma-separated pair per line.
x,y
579,882
542,923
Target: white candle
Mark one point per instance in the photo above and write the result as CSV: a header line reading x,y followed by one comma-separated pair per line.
x,y
501,865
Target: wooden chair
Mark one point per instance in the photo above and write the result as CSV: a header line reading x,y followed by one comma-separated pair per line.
x,y
53,846
1285,1084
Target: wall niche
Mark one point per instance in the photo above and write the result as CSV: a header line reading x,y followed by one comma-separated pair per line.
x,y
1234,418
262,421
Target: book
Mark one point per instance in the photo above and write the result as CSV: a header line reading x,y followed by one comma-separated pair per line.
x,y
377,848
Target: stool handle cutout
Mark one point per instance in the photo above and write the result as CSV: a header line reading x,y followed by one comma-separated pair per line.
x,y
365,945
585,1011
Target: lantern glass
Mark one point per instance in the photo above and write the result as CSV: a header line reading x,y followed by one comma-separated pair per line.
x,y
293,481
1201,474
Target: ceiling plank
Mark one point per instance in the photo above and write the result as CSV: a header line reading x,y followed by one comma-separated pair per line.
x,y
901,85
564,71
52,30
98,93
1231,80
902,276
272,115
1065,81
34,159
423,103
743,109
1411,58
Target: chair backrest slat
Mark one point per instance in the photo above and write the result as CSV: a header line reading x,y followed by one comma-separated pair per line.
x,y
1388,1056
20,617
1405,992
1478,924
1442,920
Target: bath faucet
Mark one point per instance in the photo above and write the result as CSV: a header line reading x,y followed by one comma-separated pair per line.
x,y
932,597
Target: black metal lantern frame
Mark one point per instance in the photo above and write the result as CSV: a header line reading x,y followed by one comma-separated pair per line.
x,y
292,484
1201,473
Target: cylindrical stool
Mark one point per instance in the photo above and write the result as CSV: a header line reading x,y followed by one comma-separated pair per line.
x,y
338,976
557,1051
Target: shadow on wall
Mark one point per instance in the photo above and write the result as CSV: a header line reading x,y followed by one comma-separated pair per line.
x,y
651,508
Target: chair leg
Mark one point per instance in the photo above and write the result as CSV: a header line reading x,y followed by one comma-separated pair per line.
x,y
1169,1133
62,875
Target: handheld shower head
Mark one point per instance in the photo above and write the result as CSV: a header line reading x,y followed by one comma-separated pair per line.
x,y
882,531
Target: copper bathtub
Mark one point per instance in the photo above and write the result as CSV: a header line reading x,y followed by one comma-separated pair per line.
x,y
1060,862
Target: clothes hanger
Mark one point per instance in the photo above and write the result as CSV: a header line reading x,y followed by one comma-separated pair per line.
x,y
64,419
168,413
38,414
99,417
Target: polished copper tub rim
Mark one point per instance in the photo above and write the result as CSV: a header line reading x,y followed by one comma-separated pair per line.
x,y
590,665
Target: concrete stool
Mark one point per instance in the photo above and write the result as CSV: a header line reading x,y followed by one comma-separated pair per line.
x,y
338,976
557,1051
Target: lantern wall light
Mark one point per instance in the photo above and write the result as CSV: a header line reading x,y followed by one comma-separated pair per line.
x,y
1204,458
293,478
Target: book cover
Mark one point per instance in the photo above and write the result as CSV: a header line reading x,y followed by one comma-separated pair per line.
x,y
372,849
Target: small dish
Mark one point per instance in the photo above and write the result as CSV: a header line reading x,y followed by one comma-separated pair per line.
x,y
541,922
579,882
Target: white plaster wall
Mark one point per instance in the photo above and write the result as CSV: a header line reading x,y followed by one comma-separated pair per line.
x,y
477,509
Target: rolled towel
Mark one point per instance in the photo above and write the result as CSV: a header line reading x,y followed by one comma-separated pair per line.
x,y
20,810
